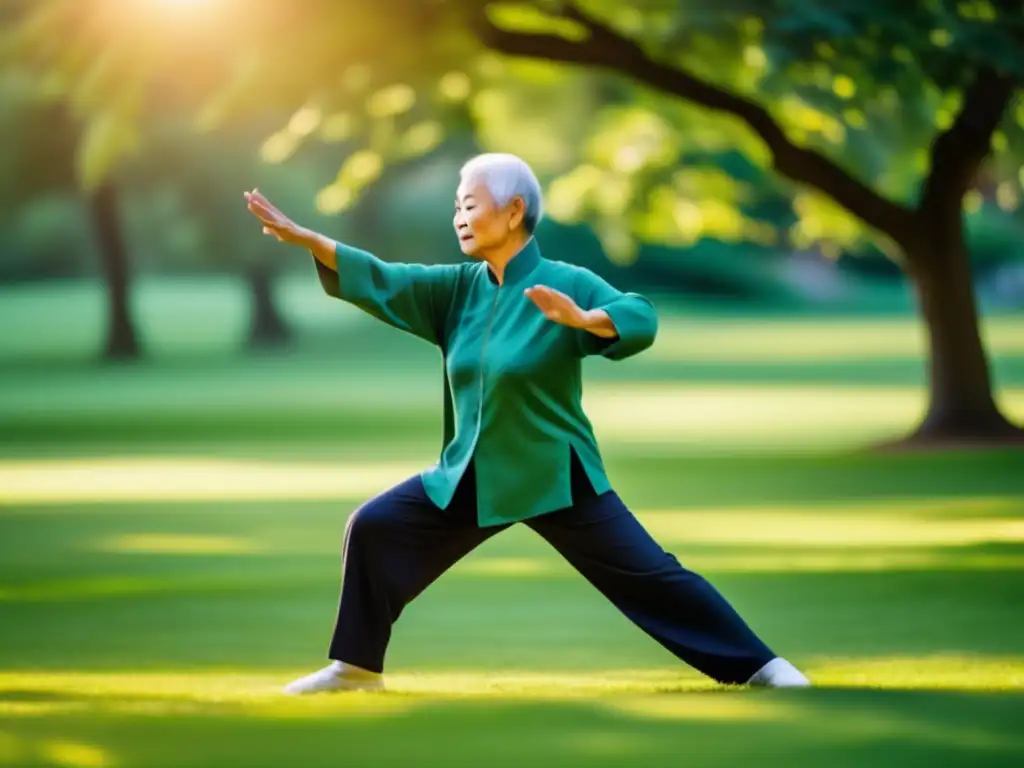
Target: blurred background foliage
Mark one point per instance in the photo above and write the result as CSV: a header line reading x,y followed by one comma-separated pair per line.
x,y
356,122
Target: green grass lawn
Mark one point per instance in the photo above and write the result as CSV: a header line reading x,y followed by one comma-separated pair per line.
x,y
170,536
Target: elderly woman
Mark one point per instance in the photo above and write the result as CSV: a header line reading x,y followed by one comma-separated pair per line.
x,y
513,328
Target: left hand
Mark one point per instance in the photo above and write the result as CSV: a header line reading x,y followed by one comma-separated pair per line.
x,y
558,307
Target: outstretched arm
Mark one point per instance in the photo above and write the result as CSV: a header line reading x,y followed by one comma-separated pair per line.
x,y
412,297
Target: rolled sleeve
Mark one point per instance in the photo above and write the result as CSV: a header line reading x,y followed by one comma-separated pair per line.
x,y
634,317
636,324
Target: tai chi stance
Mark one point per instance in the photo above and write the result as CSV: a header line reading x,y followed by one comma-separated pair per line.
x,y
513,328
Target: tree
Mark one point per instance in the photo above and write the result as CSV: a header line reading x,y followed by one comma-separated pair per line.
x,y
204,175
787,82
969,58
104,72
958,59
42,162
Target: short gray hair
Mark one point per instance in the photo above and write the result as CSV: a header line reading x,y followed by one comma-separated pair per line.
x,y
507,176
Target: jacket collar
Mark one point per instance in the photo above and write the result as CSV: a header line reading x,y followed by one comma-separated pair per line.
x,y
520,266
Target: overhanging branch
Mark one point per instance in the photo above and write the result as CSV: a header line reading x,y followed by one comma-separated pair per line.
x,y
607,49
958,152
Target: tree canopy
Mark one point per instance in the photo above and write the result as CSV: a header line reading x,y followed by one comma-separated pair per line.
x,y
655,120
848,95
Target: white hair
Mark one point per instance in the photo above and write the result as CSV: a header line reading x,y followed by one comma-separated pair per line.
x,y
506,177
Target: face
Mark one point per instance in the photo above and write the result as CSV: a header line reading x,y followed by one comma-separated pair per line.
x,y
480,224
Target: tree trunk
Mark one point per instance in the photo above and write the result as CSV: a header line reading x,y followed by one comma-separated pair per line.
x,y
122,339
268,327
961,408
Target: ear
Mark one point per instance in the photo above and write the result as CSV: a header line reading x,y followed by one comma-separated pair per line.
x,y
517,208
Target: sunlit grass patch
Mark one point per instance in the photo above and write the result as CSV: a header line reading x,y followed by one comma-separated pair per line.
x,y
75,754
905,673
35,694
938,672
731,415
882,524
819,340
850,535
463,716
32,694
839,561
179,544
59,752
545,685
759,560
59,481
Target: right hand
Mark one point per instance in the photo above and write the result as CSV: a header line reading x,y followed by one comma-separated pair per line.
x,y
274,222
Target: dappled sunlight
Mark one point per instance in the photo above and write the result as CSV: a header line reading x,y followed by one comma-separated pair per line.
x,y
193,414
764,560
76,755
825,340
942,534
832,561
34,694
726,415
60,753
805,559
828,526
134,688
935,672
938,534
704,418
61,481
543,685
645,692
178,544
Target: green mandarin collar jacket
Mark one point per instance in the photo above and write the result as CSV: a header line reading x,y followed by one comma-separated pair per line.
x,y
512,378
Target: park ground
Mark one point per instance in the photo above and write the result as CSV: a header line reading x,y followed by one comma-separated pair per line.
x,y
170,536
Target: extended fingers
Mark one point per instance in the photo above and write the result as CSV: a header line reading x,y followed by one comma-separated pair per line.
x,y
262,200
260,206
256,201
262,213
